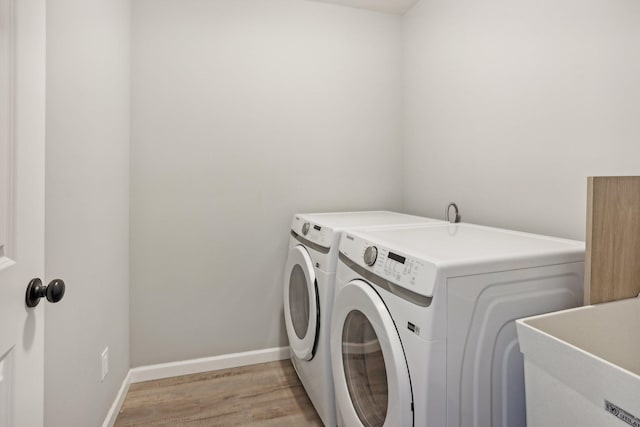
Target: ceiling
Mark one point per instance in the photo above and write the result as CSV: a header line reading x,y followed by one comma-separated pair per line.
x,y
397,7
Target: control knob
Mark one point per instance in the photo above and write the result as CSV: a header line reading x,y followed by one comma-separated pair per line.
x,y
305,228
370,255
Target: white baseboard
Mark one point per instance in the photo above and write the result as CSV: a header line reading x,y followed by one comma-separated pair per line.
x,y
112,415
195,366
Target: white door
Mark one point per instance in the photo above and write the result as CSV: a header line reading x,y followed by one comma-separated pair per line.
x,y
368,363
22,139
301,303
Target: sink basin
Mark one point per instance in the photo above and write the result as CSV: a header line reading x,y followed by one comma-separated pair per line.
x,y
582,366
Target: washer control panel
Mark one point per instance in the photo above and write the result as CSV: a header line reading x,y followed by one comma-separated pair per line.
x,y
315,233
393,265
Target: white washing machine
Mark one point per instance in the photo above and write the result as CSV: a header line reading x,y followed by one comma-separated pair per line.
x,y
423,330
308,294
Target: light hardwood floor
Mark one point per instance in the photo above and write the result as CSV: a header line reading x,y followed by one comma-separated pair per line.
x,y
269,394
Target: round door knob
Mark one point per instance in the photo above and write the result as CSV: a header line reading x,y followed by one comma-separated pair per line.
x,y
305,228
370,255
54,291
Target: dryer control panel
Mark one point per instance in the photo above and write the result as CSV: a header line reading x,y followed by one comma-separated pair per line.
x,y
392,265
315,233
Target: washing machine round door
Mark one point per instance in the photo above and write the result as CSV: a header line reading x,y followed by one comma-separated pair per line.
x,y
368,363
301,303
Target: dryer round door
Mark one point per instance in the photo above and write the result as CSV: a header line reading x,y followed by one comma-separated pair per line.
x,y
369,367
301,303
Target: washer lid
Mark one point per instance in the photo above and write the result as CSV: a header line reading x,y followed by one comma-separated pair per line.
x,y
301,303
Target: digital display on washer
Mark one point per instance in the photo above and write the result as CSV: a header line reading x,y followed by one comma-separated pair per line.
x,y
317,227
397,257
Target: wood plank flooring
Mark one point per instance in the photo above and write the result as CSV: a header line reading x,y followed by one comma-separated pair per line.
x,y
269,394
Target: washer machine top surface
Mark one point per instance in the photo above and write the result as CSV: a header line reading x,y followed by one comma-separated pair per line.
x,y
342,220
468,243
415,257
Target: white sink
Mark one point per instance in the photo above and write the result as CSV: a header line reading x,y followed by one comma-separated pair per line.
x,y
582,366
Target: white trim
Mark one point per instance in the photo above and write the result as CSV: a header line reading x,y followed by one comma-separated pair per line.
x,y
6,262
194,366
112,415
7,181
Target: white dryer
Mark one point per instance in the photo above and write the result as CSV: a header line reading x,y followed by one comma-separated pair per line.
x,y
308,294
423,330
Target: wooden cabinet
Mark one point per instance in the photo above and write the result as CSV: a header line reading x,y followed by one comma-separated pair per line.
x,y
612,261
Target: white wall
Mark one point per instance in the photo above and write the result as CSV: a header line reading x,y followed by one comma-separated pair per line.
x,y
87,206
510,105
244,112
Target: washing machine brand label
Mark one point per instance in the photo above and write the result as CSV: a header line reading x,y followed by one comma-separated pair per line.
x,y
349,237
413,328
621,414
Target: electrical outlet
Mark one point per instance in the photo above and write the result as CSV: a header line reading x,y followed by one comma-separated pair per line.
x,y
105,362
